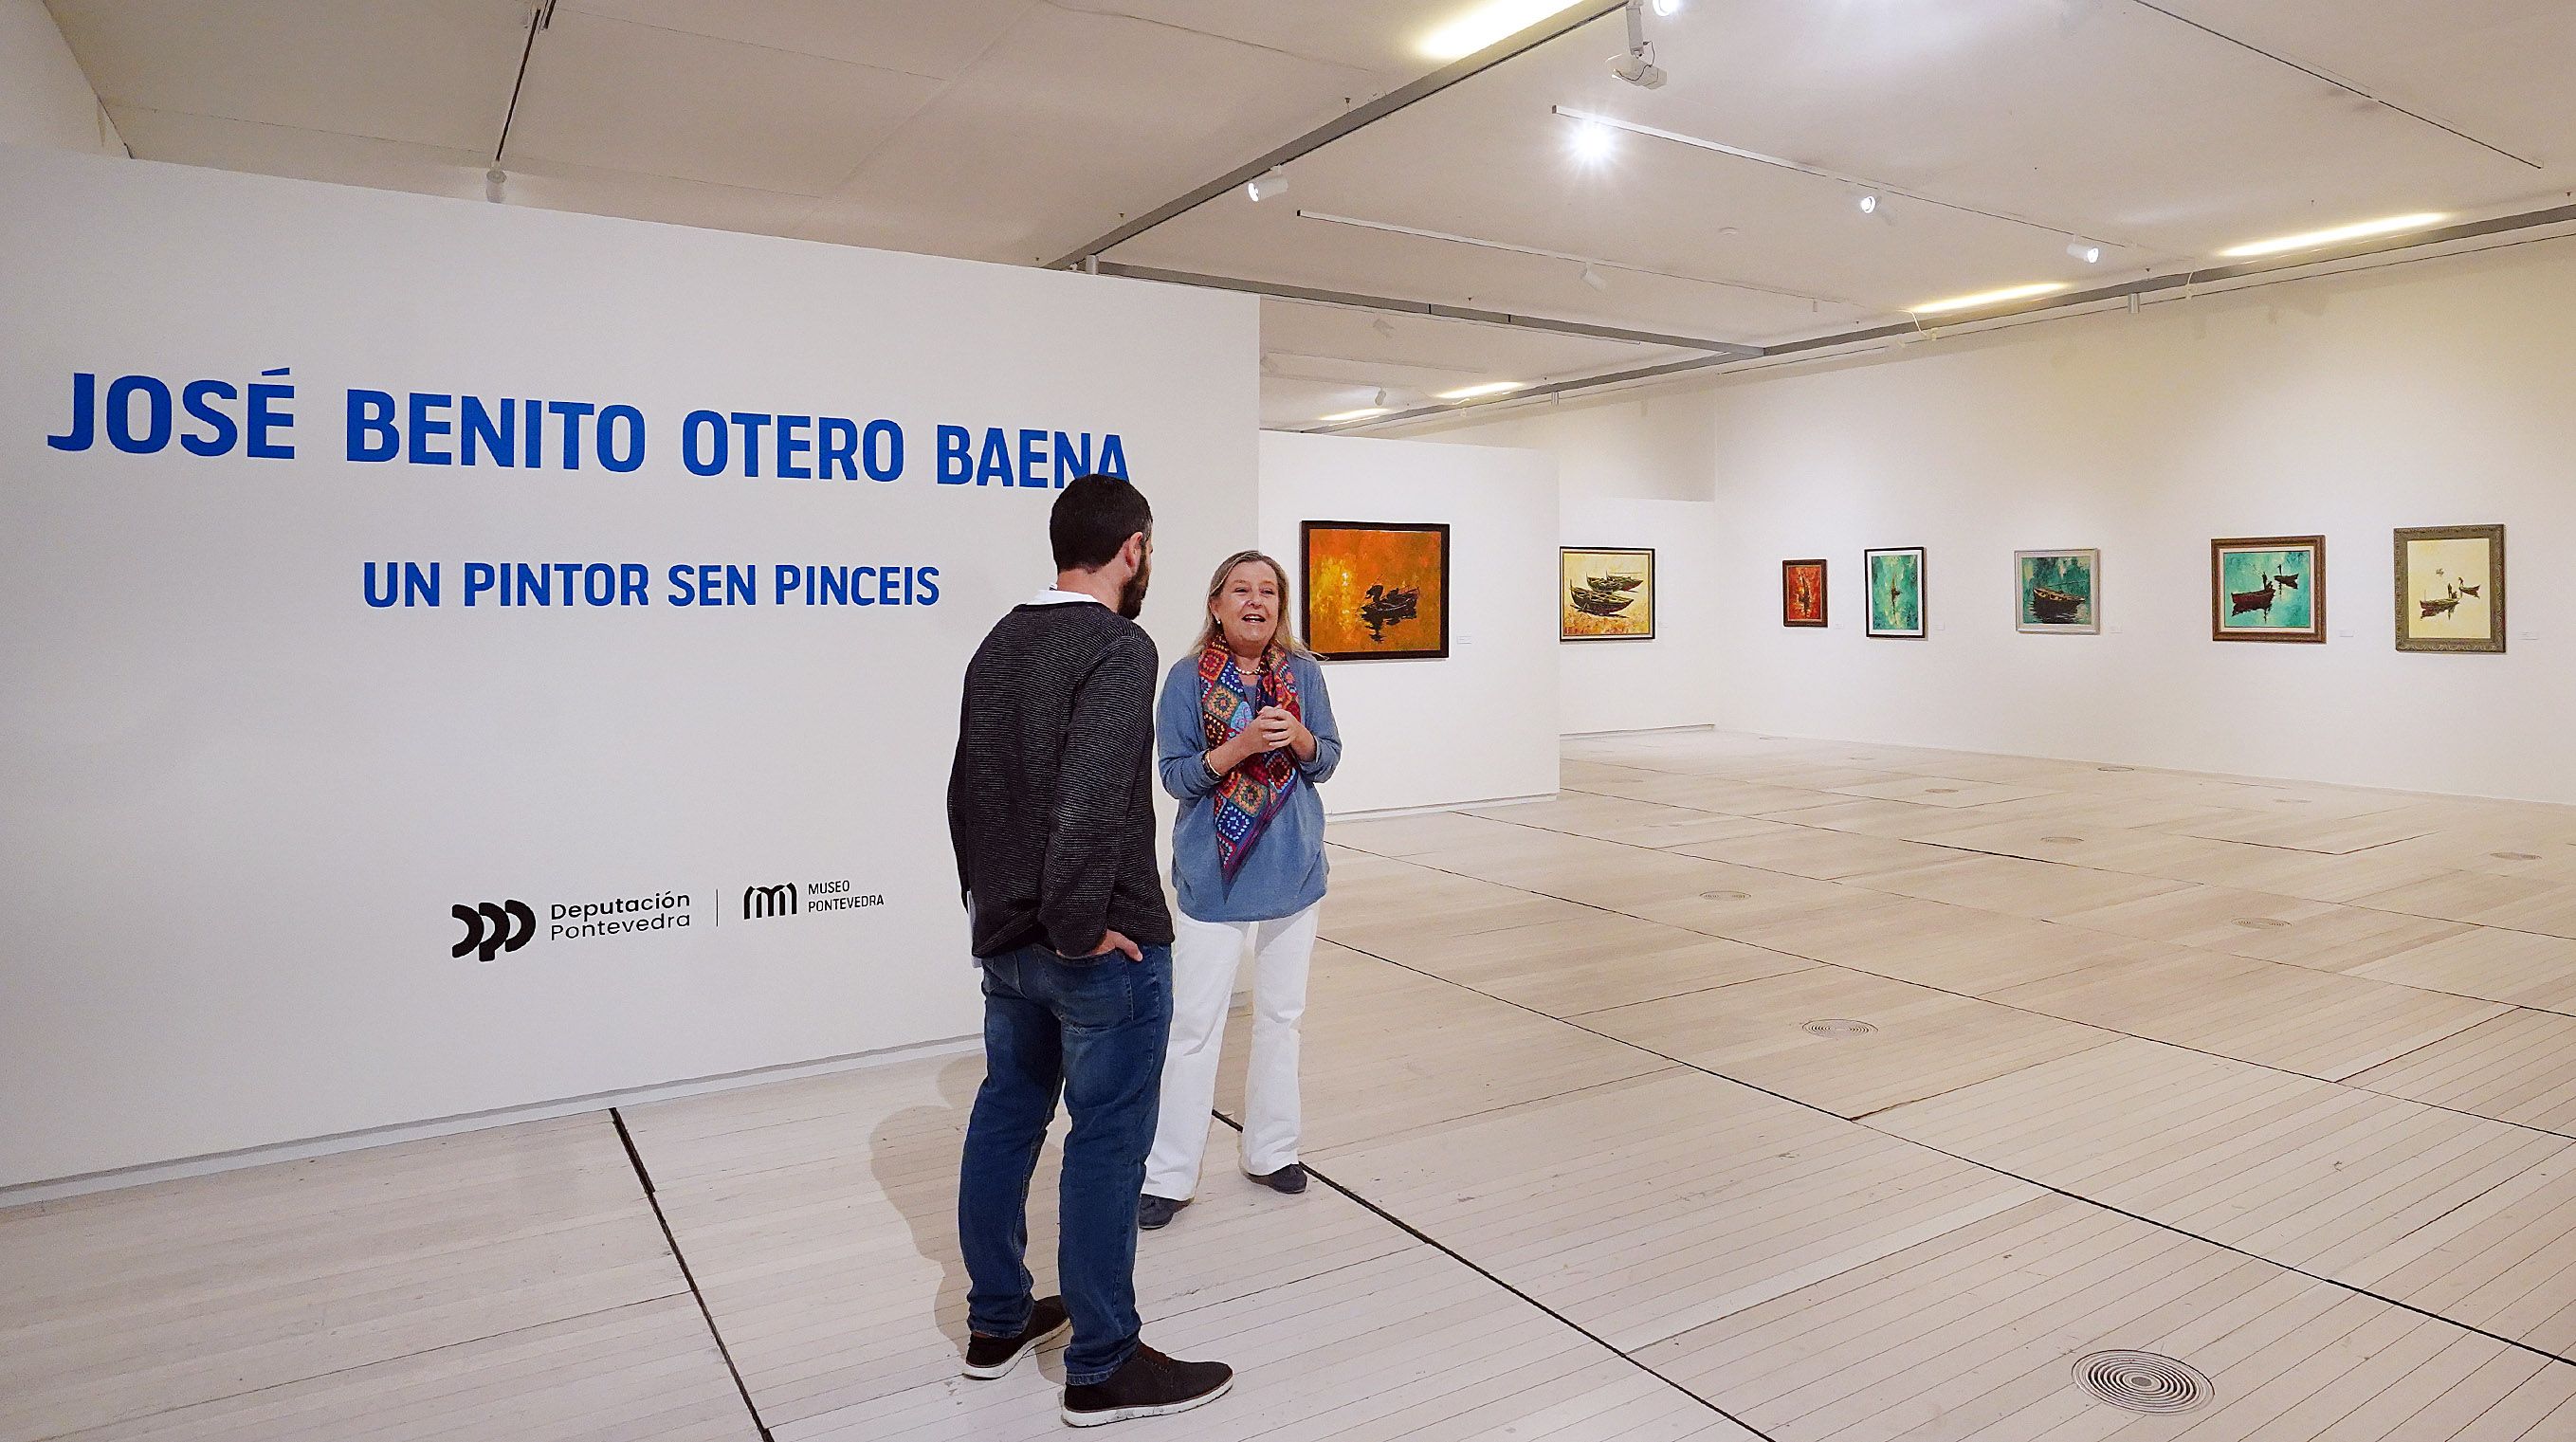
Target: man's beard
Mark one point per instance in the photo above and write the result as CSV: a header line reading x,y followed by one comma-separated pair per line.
x,y
1131,597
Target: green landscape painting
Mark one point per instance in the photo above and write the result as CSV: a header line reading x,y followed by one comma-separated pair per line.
x,y
1895,591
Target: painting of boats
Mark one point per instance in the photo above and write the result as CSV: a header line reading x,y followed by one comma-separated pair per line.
x,y
2058,592
2450,588
2268,588
1376,591
1605,595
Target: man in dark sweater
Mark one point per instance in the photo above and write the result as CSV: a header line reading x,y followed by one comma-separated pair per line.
x,y
1051,811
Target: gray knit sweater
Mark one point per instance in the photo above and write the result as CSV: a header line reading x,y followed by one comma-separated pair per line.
x,y
1050,803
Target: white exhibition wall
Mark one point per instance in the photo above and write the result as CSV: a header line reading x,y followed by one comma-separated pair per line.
x,y
1480,725
267,727
1671,680
2431,393
45,100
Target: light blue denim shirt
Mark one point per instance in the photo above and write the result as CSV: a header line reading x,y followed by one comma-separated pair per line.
x,y
1284,874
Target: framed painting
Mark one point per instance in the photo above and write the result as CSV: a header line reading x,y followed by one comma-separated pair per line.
x,y
1802,593
1605,595
2057,593
2267,588
1895,577
2450,588
1375,591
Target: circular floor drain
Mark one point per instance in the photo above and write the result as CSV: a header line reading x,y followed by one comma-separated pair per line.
x,y
2063,840
2143,1381
2261,923
1726,896
2515,855
1838,1026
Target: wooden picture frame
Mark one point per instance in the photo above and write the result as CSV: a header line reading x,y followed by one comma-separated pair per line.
x,y
1792,611
1600,595
2293,572
1896,594
2435,597
1374,590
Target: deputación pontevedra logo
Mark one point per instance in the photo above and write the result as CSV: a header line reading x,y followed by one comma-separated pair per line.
x,y
492,928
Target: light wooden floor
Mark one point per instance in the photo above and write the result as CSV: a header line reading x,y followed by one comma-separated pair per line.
x,y
1753,1088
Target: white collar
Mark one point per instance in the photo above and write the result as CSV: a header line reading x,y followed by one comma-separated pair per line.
x,y
1052,596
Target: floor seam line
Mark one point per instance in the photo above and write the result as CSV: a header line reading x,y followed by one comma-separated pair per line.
x,y
715,1334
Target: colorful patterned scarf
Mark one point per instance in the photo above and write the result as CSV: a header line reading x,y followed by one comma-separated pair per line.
x,y
1251,794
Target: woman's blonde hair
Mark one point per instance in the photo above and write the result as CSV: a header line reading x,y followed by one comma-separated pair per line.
x,y
1285,637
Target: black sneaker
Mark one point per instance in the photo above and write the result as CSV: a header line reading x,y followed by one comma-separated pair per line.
x,y
1290,1179
1154,1213
991,1357
1147,1384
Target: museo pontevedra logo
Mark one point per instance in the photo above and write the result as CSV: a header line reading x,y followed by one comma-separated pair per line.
x,y
491,929
760,901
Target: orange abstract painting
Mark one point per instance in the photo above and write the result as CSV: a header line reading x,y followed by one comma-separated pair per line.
x,y
1376,590
1802,593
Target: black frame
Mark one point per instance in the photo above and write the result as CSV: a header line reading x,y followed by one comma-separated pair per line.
x,y
1306,589
1922,579
1654,606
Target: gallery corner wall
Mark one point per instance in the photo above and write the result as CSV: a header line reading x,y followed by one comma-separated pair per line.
x,y
1675,678
1480,724
371,756
45,100
2426,393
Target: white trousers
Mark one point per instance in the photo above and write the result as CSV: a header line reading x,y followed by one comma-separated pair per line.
x,y
1204,957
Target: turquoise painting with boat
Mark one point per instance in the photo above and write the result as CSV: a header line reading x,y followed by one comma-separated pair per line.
x,y
2268,590
2058,590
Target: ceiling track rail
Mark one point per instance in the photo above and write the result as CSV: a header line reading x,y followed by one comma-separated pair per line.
x,y
2134,291
1353,120
541,17
1396,306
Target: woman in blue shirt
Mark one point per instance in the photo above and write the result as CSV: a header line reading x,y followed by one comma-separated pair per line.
x,y
1245,733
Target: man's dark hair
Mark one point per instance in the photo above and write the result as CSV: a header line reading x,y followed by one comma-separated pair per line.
x,y
1094,516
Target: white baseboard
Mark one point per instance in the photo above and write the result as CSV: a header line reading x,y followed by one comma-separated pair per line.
x,y
27,1193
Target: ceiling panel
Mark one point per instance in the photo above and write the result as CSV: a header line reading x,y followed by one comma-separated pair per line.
x,y
1320,360
939,40
2496,69
304,154
425,72
1071,122
620,96
1383,37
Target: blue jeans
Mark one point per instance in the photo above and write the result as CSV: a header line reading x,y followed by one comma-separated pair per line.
x,y
1095,1030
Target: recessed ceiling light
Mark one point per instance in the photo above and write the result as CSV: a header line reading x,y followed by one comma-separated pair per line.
x,y
2336,235
1487,23
1989,297
1363,413
1489,388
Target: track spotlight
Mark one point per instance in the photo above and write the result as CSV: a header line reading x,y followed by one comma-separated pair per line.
x,y
1668,7
2086,251
1271,182
496,185
1384,399
1637,64
1868,203
1384,327
1595,279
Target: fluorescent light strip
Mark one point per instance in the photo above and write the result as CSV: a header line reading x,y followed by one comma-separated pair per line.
x,y
1363,413
1783,163
2336,235
1391,228
1489,388
1488,23
1990,297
